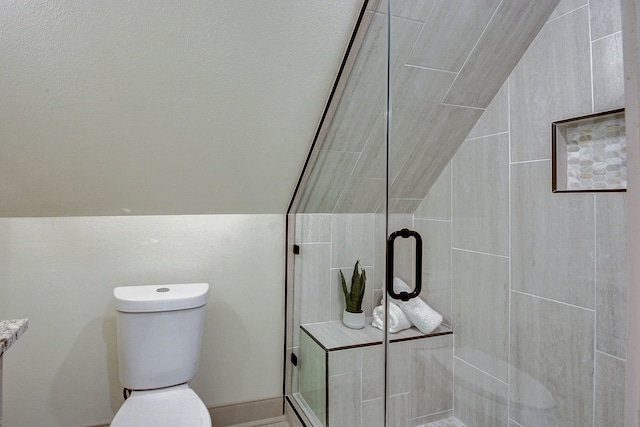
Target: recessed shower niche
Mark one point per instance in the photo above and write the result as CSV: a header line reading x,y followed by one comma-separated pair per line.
x,y
589,153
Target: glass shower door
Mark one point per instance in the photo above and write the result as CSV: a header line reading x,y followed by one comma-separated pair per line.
x,y
418,339
348,215
337,225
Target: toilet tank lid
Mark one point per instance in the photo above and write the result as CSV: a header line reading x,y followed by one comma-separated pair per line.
x,y
150,298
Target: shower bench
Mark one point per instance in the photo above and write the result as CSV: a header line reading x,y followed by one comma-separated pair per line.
x,y
342,374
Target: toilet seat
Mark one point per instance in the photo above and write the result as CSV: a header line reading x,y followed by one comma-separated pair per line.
x,y
176,406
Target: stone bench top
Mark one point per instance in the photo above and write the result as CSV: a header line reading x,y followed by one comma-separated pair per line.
x,y
334,335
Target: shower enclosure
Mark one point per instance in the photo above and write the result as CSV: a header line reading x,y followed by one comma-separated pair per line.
x,y
432,165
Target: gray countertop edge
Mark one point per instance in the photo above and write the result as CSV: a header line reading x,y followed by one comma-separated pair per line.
x,y
10,331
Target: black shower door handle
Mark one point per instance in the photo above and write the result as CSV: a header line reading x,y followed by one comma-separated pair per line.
x,y
404,233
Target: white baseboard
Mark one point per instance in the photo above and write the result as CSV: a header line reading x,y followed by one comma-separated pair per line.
x,y
248,414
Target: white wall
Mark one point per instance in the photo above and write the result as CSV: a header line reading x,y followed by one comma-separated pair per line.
x,y
60,272
107,106
117,108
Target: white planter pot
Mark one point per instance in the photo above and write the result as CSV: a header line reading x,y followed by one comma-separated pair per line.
x,y
353,320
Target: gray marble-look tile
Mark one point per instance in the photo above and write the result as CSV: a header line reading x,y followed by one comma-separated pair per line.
x,y
551,82
481,311
363,100
610,387
606,17
334,335
437,202
608,73
480,400
510,31
552,237
449,421
495,119
352,240
327,180
444,132
442,419
313,228
345,401
372,373
552,363
480,193
418,10
373,159
345,361
312,282
400,367
611,274
399,410
416,94
436,265
361,195
451,32
431,375
373,413
566,6
403,206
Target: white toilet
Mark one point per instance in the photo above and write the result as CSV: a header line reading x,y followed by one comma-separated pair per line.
x,y
159,333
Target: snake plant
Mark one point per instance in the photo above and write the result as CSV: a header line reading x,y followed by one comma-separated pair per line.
x,y
354,296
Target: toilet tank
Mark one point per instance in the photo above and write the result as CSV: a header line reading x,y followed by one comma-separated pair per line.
x,y
159,331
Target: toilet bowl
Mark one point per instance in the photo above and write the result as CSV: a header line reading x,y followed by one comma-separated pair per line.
x,y
171,407
159,331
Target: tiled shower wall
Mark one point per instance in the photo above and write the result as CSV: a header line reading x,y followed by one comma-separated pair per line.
x,y
533,283
330,243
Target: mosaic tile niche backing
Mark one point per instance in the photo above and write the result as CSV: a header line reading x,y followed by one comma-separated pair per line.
x,y
595,153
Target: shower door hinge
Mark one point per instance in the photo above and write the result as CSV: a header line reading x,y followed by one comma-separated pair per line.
x,y
296,249
294,359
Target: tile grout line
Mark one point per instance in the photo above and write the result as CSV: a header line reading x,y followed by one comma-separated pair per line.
x,y
510,256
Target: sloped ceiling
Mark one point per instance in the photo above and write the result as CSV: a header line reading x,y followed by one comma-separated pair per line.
x,y
450,58
163,107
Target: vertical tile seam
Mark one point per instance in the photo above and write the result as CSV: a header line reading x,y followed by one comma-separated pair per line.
x,y
595,302
453,341
508,82
424,24
593,105
330,263
361,384
595,236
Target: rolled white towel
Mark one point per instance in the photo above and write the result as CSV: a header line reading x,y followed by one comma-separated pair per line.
x,y
397,320
423,317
